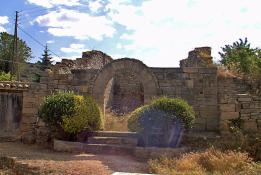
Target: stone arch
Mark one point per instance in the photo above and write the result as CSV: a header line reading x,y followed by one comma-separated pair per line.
x,y
146,77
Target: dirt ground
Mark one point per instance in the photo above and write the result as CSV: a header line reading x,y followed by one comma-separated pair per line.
x,y
56,163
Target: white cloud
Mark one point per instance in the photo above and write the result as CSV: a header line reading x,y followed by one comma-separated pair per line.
x,y
2,29
95,5
50,42
74,48
162,33
56,59
3,20
52,3
76,24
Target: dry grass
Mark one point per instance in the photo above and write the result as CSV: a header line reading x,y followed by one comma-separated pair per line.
x,y
116,123
223,72
211,161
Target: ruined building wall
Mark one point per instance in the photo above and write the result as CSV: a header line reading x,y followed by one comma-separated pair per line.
x,y
216,99
196,82
237,100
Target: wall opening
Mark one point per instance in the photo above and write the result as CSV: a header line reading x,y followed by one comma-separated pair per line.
x,y
11,112
123,93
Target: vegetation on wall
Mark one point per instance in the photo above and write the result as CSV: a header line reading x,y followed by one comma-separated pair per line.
x,y
5,76
240,57
73,113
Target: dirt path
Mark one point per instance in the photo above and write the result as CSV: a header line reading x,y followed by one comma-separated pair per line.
x,y
51,162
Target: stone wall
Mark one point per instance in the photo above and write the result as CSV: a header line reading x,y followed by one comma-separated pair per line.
x,y
216,99
11,106
238,100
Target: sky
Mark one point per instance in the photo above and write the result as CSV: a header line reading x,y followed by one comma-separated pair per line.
x,y
158,32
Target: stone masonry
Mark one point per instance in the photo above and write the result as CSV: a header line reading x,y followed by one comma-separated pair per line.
x,y
124,84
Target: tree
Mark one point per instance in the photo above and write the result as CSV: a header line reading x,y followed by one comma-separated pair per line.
x,y
24,52
46,60
240,57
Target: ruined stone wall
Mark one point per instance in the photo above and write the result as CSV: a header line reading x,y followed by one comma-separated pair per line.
x,y
216,99
196,85
90,60
237,100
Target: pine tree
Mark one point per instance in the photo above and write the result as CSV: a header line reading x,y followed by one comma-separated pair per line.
x,y
46,61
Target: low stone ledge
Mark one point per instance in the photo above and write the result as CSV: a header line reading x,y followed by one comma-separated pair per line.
x,y
17,167
66,146
139,152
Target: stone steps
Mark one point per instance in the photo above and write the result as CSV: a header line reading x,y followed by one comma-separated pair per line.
x,y
108,149
114,134
128,141
102,142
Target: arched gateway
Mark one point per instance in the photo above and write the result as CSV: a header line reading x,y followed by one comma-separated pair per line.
x,y
124,84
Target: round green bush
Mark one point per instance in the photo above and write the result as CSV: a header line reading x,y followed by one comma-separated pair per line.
x,y
87,117
174,108
56,106
73,113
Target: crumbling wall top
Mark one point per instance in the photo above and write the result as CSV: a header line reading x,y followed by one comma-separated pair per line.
x,y
199,57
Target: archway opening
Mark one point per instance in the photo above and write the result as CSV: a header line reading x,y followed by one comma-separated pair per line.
x,y
123,94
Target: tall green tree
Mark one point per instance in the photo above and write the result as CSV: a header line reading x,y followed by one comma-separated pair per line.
x,y
24,52
46,59
240,57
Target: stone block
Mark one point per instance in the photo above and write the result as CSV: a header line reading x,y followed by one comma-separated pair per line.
x,y
227,107
250,125
190,70
244,99
212,124
256,115
259,123
223,126
228,115
28,138
29,110
189,83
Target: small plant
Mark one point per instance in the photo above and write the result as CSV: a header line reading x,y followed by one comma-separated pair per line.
x,y
70,112
5,76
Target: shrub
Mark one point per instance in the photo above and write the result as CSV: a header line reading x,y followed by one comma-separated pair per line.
x,y
5,76
162,122
57,106
211,161
86,117
175,108
73,113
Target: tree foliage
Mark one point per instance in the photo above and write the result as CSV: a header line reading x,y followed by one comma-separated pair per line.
x,y
24,52
241,58
46,59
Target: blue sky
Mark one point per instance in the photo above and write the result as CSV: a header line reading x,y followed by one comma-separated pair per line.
x,y
158,32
